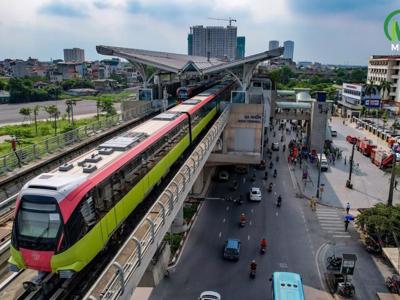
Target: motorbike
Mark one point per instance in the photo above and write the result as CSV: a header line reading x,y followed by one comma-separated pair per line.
x,y
334,262
279,201
270,188
346,289
281,138
393,284
235,186
277,158
266,175
283,148
275,173
242,223
271,164
263,249
252,273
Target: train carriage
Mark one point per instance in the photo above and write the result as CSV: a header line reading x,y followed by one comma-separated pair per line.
x,y
66,217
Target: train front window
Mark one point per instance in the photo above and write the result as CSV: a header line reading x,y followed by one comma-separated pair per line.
x,y
39,220
38,223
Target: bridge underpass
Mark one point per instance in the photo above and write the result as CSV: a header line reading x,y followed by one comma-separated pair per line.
x,y
125,271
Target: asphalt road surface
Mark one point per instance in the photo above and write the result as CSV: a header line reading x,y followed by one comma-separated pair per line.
x,y
291,244
9,113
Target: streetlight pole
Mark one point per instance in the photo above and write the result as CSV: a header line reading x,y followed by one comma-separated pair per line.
x,y
392,180
348,182
319,175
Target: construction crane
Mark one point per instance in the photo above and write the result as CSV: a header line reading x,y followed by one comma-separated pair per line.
x,y
230,20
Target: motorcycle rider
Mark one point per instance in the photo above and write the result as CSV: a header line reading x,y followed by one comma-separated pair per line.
x,y
271,165
263,244
270,186
242,218
253,265
275,173
277,158
279,201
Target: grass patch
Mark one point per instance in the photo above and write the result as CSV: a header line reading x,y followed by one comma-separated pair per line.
x,y
115,97
173,240
27,136
189,211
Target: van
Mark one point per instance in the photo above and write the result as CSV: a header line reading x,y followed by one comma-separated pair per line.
x,y
232,249
323,162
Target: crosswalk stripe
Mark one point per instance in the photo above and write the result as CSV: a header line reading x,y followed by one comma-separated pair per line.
x,y
331,223
341,236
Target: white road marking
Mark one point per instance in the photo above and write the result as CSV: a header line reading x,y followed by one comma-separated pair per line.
x,y
220,234
248,237
341,236
252,211
250,223
227,208
276,214
223,221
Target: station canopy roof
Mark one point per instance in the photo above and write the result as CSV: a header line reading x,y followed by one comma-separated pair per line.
x,y
293,105
180,63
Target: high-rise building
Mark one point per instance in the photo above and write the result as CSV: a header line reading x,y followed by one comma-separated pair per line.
x,y
288,49
240,47
386,68
273,45
74,55
190,44
214,41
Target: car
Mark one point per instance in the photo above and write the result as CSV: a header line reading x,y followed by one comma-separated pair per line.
x,y
255,194
223,176
275,146
262,165
232,249
351,139
210,295
334,133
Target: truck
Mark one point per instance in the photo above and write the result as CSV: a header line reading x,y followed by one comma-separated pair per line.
x,y
365,146
378,157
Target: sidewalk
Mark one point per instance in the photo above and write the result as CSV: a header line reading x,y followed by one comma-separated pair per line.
x,y
370,184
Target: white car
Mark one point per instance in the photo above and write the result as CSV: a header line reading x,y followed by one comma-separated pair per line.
x,y
255,194
209,295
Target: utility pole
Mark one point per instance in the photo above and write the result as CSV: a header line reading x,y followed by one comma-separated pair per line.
x,y
392,180
319,174
348,182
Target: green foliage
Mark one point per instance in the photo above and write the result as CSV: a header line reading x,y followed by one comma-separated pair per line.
x,y
3,84
76,84
107,106
173,239
119,78
22,90
381,222
26,112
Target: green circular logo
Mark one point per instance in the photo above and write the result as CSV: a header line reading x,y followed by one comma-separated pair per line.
x,y
391,26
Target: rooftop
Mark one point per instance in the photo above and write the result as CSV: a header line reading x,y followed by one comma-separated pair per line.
x,y
179,63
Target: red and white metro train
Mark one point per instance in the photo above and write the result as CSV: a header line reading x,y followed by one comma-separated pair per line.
x,y
64,218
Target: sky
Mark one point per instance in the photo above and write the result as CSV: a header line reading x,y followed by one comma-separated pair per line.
x,y
327,31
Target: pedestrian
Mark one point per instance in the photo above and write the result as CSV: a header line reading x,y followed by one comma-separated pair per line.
x,y
395,184
347,208
346,224
345,160
288,159
333,159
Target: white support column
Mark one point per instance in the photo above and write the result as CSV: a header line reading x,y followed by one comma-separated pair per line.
x,y
179,224
199,183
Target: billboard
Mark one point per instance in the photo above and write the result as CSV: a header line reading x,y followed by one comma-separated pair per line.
x,y
145,94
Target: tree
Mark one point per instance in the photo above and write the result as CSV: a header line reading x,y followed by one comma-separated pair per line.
x,y
26,112
384,118
70,109
370,89
385,86
380,222
107,106
36,110
53,112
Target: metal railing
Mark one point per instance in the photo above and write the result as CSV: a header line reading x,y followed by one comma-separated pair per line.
x,y
24,155
122,275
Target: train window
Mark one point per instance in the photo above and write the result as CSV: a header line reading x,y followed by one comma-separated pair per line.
x,y
75,227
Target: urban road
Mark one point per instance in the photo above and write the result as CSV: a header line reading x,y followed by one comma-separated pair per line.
x,y
294,242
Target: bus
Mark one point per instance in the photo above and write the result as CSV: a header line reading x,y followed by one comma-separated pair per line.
x,y
287,286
